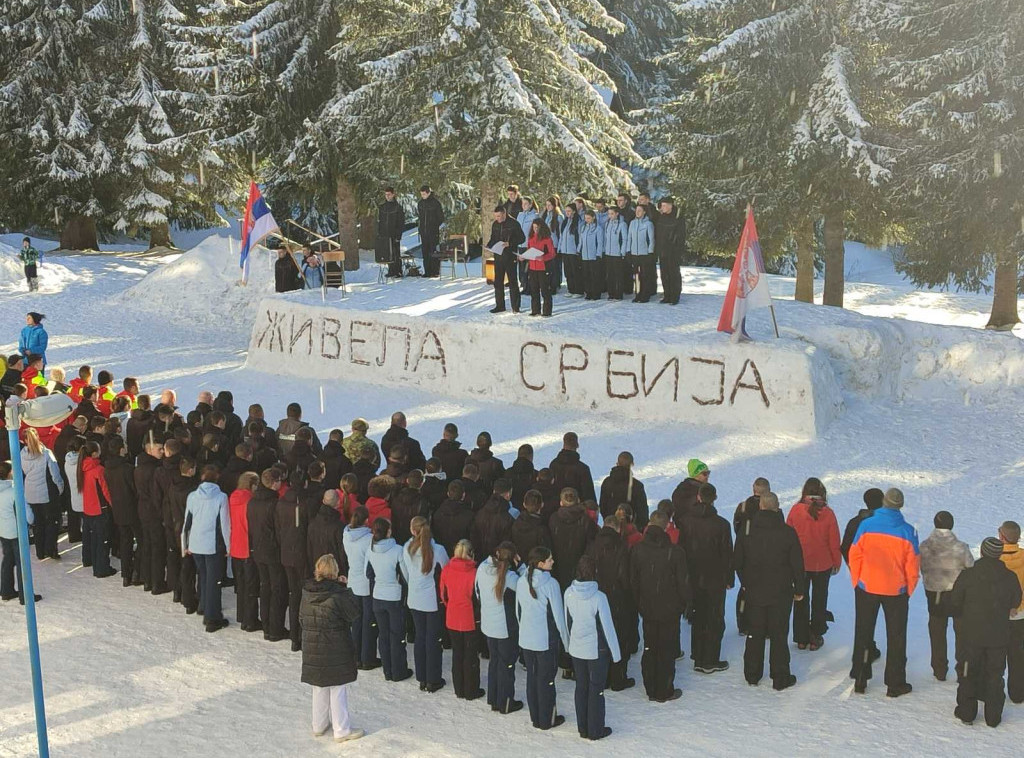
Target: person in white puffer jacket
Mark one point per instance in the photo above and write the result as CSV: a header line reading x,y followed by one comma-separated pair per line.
x,y
71,477
943,557
40,469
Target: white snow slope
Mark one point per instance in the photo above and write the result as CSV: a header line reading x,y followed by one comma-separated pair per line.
x,y
127,674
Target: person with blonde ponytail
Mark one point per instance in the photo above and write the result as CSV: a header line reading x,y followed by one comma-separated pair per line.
x,y
456,588
541,618
496,581
385,571
423,560
43,488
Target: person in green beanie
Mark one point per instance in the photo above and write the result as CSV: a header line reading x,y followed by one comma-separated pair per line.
x,y
685,495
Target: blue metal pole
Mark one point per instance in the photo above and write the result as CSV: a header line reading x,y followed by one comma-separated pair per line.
x,y
13,423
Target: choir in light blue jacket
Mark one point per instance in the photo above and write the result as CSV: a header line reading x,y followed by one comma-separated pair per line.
x,y
422,587
493,612
542,618
569,239
591,242
589,619
356,543
641,236
602,219
525,220
616,238
384,567
554,221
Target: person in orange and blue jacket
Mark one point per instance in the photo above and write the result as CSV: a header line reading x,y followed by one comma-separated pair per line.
x,y
885,566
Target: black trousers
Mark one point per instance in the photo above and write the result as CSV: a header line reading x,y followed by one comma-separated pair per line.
x,y
895,609
152,556
573,266
95,533
938,623
628,271
707,627
591,678
394,257
391,637
44,531
465,663
427,646
541,667
172,543
671,278
296,576
1015,663
501,672
613,275
809,614
555,272
592,276
741,610
273,598
431,265
540,292
661,646
10,569
982,680
247,592
190,585
364,631
648,270
126,533
771,623
74,525
506,264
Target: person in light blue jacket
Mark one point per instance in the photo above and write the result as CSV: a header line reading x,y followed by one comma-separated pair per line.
x,y
206,532
40,469
312,271
593,645
569,250
641,247
356,540
496,582
525,219
10,566
592,252
422,560
616,244
553,217
601,213
541,618
384,569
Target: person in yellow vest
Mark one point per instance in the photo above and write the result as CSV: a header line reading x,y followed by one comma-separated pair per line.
x,y
130,391
32,377
105,393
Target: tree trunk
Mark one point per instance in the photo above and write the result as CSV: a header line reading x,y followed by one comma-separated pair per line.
x,y
160,236
1004,300
835,236
79,233
804,237
368,231
488,201
348,232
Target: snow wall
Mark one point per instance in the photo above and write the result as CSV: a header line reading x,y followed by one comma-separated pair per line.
x,y
781,387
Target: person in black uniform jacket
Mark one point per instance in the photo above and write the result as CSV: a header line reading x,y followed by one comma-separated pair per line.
x,y
872,501
290,526
365,469
265,551
770,565
336,463
124,503
569,471
398,433
621,487
514,205
492,524
286,273
707,539
506,229
140,420
152,554
685,493
166,476
237,465
434,489
491,468
522,474
232,430
982,599
431,219
670,245
476,495
529,530
325,532
572,531
406,505
450,453
611,555
741,521
390,225
661,589
176,501
453,520
551,496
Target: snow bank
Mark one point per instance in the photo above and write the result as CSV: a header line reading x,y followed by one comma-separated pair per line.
x,y
779,387
53,277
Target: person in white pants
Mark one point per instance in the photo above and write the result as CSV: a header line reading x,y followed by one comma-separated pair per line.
x,y
326,613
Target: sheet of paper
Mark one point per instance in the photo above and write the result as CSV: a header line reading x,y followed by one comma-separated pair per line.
x,y
532,254
499,247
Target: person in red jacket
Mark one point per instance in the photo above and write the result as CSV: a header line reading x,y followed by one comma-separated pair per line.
x,y
816,526
629,532
130,391
540,281
32,377
105,393
665,506
92,483
77,385
247,577
348,498
456,588
377,504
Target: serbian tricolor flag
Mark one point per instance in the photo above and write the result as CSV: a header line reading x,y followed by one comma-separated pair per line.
x,y
256,225
748,287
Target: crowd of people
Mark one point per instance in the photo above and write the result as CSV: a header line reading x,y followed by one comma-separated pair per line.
x,y
598,247
351,550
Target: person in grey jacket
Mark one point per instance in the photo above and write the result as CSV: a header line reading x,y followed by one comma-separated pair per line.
x,y
943,557
206,532
541,618
384,569
495,587
422,560
10,566
42,482
593,646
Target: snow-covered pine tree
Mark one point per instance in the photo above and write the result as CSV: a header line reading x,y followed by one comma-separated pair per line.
x,y
489,93
958,66
776,115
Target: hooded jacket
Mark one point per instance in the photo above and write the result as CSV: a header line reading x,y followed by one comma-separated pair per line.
x,y
684,496
529,531
326,613
71,474
8,519
497,617
819,538
522,474
324,537
285,434
290,523
588,618
422,588
229,476
405,506
620,486
95,494
658,576
492,525
378,508
384,569
124,502
452,458
397,435
452,522
336,464
35,468
770,561
943,557
491,468
206,514
884,556
456,588
569,471
262,538
356,542
982,598
611,556
1013,557
135,431
572,531
541,618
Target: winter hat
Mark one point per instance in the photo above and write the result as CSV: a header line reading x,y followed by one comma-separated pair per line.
x,y
696,467
991,548
943,520
873,498
893,498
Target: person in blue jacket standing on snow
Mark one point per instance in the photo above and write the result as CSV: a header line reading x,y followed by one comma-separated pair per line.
x,y
206,514
34,339
592,252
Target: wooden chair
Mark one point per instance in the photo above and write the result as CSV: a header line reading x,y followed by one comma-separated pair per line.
x,y
456,247
334,269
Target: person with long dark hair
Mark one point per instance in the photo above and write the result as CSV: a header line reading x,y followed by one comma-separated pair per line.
x,y
456,587
422,560
569,250
95,508
540,277
496,581
816,526
541,618
553,217
384,571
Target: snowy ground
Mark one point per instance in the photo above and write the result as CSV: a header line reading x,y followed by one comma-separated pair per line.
x,y
130,674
